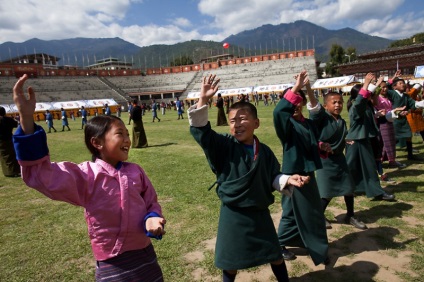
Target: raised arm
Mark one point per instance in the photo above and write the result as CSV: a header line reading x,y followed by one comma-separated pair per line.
x,y
208,89
26,106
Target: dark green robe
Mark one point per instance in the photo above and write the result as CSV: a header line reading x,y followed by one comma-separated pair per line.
x,y
302,216
401,125
359,155
246,233
334,178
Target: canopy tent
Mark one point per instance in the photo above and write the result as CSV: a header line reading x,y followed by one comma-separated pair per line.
x,y
225,92
244,90
66,105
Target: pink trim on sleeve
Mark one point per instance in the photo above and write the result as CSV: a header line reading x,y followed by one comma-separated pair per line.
x,y
293,98
365,93
322,154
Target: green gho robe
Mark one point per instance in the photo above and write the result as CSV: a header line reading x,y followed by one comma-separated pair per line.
x,y
246,233
334,178
359,155
401,125
302,216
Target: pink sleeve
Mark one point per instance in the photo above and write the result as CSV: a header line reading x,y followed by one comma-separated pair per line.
x,y
365,93
63,181
293,97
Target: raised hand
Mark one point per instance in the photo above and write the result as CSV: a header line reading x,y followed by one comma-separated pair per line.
x,y
208,89
301,80
26,106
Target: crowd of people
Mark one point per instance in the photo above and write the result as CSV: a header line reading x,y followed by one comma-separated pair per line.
x,y
323,158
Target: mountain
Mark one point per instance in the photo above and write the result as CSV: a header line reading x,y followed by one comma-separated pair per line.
x,y
267,38
72,50
303,34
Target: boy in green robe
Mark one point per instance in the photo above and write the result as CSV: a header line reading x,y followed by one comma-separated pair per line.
x,y
334,179
302,216
359,153
247,173
399,98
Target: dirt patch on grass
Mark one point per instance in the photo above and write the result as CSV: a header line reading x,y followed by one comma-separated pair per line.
x,y
356,255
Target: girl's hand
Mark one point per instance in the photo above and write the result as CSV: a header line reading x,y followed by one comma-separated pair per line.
x,y
155,225
26,106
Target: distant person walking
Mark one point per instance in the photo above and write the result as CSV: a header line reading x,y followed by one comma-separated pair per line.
x,y
221,119
107,110
130,106
64,119
179,105
155,111
49,121
83,112
9,164
139,139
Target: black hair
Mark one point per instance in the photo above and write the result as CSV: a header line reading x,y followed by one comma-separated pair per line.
x,y
246,106
353,94
2,111
97,127
331,93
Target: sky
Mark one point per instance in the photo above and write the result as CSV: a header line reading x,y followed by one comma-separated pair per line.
x,y
149,22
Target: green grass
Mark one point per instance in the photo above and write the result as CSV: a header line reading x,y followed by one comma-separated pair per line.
x,y
44,240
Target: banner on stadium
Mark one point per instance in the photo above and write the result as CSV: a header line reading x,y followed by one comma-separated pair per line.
x,y
272,88
66,105
334,82
226,92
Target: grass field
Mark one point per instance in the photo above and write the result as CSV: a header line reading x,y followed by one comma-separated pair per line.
x,y
44,240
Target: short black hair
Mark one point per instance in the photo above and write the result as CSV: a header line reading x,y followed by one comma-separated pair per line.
x,y
331,93
2,111
246,106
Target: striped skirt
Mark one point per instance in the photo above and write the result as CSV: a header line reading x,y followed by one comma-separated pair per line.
x,y
137,265
388,134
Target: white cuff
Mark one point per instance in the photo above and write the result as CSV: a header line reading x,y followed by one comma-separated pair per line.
x,y
280,184
417,86
391,115
372,87
198,117
419,104
313,109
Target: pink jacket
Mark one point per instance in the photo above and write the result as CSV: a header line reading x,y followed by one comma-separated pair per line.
x,y
115,201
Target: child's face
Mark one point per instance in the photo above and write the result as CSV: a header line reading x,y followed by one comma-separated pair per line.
x,y
116,144
383,91
298,111
242,125
400,86
334,104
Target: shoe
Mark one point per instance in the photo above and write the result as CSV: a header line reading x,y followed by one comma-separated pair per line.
x,y
287,255
326,261
396,164
384,178
385,197
328,224
414,158
355,222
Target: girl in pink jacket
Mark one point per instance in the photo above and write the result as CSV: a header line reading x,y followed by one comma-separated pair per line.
x,y
121,207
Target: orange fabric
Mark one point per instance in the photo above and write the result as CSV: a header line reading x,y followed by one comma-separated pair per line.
x,y
415,117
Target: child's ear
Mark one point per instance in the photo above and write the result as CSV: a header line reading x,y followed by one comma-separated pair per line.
x,y
96,143
257,123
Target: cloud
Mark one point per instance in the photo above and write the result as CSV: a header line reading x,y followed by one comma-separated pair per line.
x,y
182,22
21,20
